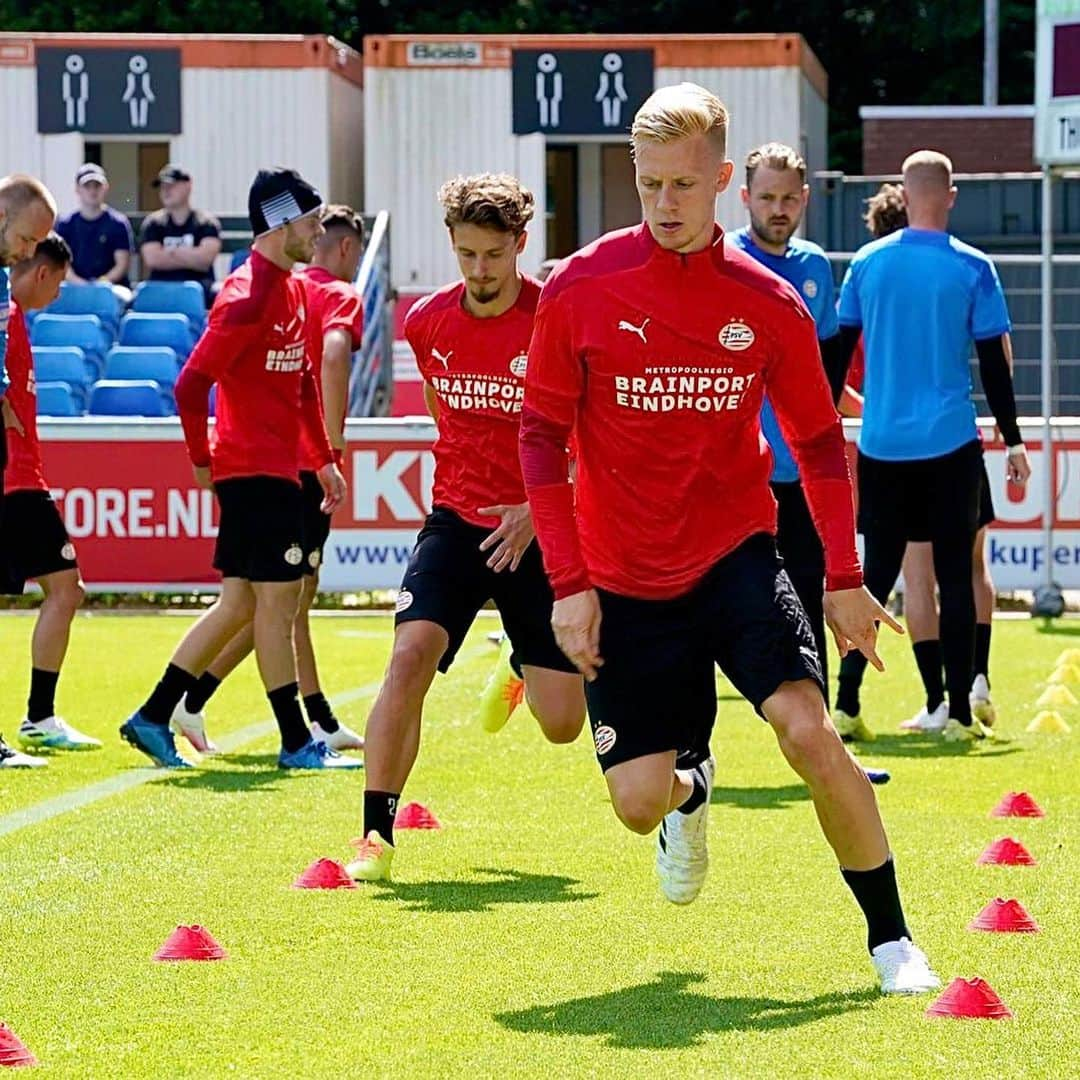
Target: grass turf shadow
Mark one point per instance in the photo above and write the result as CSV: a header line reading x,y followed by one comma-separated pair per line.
x,y
241,772
760,798
922,745
666,1014
504,887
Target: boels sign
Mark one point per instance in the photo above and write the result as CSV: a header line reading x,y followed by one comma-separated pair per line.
x,y
444,53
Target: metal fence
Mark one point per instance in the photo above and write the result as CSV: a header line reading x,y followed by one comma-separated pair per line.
x,y
1020,277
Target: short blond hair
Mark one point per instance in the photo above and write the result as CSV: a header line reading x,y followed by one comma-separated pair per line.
x,y
679,112
18,191
927,168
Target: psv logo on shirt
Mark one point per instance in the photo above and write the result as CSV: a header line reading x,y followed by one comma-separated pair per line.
x,y
736,336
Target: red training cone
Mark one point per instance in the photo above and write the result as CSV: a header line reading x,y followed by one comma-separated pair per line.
x,y
415,816
1004,917
1006,852
13,1051
1017,804
324,874
970,999
190,943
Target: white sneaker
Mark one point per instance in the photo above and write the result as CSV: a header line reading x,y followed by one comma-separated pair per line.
x,y
15,759
928,721
982,708
55,733
682,853
192,725
342,739
904,969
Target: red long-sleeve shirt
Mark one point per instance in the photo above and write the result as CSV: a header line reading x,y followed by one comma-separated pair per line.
x,y
660,361
23,471
255,348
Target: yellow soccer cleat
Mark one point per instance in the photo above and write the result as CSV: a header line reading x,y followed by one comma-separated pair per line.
x,y
373,858
851,728
976,732
503,692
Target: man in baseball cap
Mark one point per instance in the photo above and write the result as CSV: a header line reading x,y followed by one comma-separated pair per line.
x,y
179,243
100,237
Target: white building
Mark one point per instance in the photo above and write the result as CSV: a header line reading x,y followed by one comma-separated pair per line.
x,y
435,107
223,106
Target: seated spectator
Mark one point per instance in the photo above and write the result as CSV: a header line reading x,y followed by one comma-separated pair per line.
x,y
178,243
100,237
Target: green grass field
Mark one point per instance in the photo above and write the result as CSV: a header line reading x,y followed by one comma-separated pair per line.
x,y
527,937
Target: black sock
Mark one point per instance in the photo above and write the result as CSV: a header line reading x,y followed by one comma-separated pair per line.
x,y
847,693
42,701
928,659
203,690
982,650
701,789
290,720
380,809
876,893
319,712
175,683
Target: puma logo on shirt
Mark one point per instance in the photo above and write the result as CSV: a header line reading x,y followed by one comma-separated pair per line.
x,y
639,330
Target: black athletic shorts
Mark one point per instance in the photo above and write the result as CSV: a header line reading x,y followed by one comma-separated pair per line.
x,y
261,533
656,690
316,523
986,501
796,534
448,582
925,499
34,542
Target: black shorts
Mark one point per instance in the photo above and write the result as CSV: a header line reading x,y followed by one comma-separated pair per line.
x,y
922,500
796,534
656,690
34,542
448,581
316,523
986,501
260,536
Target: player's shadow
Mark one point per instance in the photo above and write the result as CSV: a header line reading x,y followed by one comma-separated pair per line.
x,y
923,745
502,887
760,798
260,774
667,1014
1059,628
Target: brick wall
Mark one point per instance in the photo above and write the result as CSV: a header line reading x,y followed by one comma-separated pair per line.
x,y
999,144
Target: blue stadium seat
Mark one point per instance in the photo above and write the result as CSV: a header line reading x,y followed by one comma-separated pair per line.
x,y
85,331
161,364
239,257
94,298
56,399
129,397
64,363
144,328
173,297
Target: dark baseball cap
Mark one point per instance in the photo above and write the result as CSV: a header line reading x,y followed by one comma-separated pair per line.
x,y
171,174
90,174
278,197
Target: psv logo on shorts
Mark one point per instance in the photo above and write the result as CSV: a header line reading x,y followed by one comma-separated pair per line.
x,y
67,552
736,336
604,737
294,555
313,560
404,601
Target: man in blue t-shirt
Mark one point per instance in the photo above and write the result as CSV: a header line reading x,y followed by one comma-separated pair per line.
x,y
920,298
775,197
100,237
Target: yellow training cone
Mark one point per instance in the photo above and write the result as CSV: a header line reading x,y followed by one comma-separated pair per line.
x,y
1056,697
1069,656
1065,674
1048,723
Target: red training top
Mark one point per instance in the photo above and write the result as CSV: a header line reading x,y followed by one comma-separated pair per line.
x,y
255,348
661,361
23,471
332,304
477,369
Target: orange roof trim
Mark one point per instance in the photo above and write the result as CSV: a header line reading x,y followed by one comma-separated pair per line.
x,y
671,50
207,50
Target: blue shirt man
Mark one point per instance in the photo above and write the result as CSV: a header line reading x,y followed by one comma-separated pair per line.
x,y
100,237
805,265
917,388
